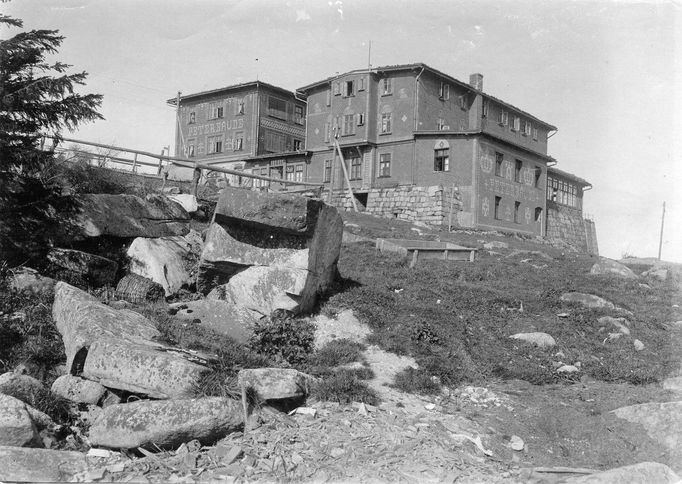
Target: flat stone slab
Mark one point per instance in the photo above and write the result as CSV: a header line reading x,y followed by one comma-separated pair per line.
x,y
542,340
131,216
82,319
220,316
156,371
166,424
587,300
40,465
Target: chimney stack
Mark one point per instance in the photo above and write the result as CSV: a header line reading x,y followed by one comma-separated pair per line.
x,y
476,81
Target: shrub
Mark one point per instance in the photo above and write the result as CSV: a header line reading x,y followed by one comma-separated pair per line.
x,y
338,352
284,338
344,387
412,380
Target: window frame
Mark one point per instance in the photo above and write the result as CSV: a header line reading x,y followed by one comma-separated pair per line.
x,y
441,160
496,207
299,114
215,144
503,118
386,86
384,165
192,117
444,91
386,123
349,88
361,119
518,168
327,171
348,128
238,142
297,144
499,161
355,168
517,209
273,112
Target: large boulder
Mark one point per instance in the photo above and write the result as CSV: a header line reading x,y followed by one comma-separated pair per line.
x,y
30,280
220,316
165,424
640,473
610,267
131,216
97,270
78,390
82,319
15,382
275,383
166,260
264,289
40,465
662,422
156,371
308,230
17,427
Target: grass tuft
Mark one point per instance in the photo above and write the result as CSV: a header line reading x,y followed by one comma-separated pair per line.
x,y
413,380
344,387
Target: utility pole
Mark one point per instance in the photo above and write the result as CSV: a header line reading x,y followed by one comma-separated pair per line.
x,y
660,241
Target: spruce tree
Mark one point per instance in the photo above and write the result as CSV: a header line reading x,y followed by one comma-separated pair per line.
x,y
37,98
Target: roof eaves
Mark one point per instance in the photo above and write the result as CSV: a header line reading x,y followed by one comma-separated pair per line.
x,y
172,101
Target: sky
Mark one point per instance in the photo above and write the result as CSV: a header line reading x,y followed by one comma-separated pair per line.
x,y
606,73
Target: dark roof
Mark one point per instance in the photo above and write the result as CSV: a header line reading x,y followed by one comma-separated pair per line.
x,y
234,87
570,176
408,67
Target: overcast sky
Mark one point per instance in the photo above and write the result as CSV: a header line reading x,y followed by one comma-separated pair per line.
x,y
605,73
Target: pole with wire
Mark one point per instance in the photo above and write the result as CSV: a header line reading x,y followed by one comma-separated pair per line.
x,y
660,240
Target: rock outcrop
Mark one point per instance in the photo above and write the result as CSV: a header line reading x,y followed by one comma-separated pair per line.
x,y
131,216
165,424
17,427
587,300
610,267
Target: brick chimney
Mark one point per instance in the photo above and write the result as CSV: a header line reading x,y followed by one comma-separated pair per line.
x,y
476,81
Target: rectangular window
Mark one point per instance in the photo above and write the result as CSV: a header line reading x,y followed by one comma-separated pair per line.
x,y
298,114
386,123
361,84
275,142
503,118
516,126
295,172
329,98
337,88
538,213
441,125
215,110
535,133
518,165
240,107
463,102
497,207
348,124
277,108
299,173
538,174
527,128
356,168
290,173
349,88
215,144
486,107
189,151
385,165
327,132
498,164
444,91
327,175
517,209
192,118
441,160
361,119
239,142
386,87
297,144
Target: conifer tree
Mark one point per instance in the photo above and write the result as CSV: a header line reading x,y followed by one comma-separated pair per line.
x,y
37,98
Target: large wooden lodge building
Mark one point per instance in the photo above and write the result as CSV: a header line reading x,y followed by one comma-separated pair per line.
x,y
417,144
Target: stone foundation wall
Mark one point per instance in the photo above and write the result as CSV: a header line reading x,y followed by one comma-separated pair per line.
x,y
567,224
430,205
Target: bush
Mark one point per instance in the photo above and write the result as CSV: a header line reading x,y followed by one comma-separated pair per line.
x,y
338,352
284,338
412,380
344,387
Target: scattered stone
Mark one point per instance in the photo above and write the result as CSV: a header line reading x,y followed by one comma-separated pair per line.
x,y
156,371
99,453
495,244
619,323
78,390
171,190
165,424
430,406
567,369
234,453
644,286
131,216
40,465
658,274
543,340
587,300
186,201
673,383
17,382
612,268
639,346
276,383
16,425
517,443
309,411
641,473
82,319
563,315
166,260
27,279
98,271
220,316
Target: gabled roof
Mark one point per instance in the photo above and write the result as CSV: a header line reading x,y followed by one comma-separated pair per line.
x,y
570,176
409,67
234,87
